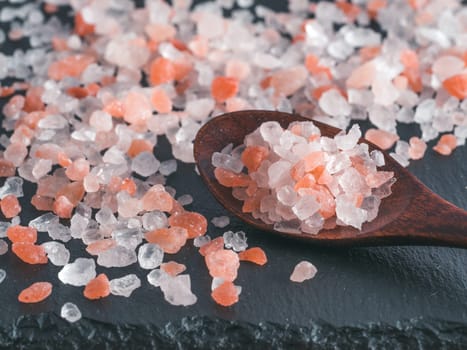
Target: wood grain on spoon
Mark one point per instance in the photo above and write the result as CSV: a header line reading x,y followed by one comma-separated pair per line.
x,y
412,214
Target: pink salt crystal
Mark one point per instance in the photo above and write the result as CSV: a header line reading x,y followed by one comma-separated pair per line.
x,y
171,240
374,180
156,198
236,104
7,168
238,69
417,148
15,153
214,245
137,108
63,207
288,81
161,101
199,46
160,31
400,82
91,183
362,76
223,264
78,169
303,271
381,138
97,247
173,268
71,66
10,206
446,144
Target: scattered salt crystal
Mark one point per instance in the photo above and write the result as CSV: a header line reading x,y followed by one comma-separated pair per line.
x,y
78,273
220,221
70,312
156,276
303,271
201,241
145,164
117,257
425,111
402,160
42,223
12,186
235,240
125,285
185,199
60,232
150,256
332,102
3,247
57,253
177,290
168,167
2,275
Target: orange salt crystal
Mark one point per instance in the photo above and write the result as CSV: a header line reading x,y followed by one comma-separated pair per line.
x,y
298,170
161,71
223,88
161,101
7,168
78,170
114,184
253,156
138,146
30,253
42,203
97,288
375,180
33,118
137,108
82,27
230,179
400,82
62,207
35,293
457,86
159,31
63,160
255,255
199,45
252,203
115,108
10,206
373,7
97,247
409,59
223,263
195,223
226,294
446,144
417,148
59,44
71,66
351,11
313,160
252,188
157,198
313,66
214,245
320,90
33,101
129,186
50,8
381,138
237,69
6,91
21,234
182,69
307,181
77,92
173,268
171,240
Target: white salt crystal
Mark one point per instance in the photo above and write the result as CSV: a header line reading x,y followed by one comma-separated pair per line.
x,y
42,223
352,182
3,247
155,277
52,121
278,173
371,205
78,273
101,121
201,240
154,220
177,290
303,271
70,312
106,217
271,132
287,195
57,253
150,256
216,282
425,111
349,140
305,207
402,149
337,163
117,257
3,228
362,37
2,275
200,109
13,185
377,157
348,213
125,285
78,224
127,236
41,168
168,167
332,103
60,232
404,161
145,164
313,224
382,117
220,221
235,240
221,160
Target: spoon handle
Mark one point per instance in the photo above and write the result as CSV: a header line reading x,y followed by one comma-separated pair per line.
x,y
431,220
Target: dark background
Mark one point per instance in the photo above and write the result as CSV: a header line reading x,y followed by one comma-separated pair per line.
x,y
391,297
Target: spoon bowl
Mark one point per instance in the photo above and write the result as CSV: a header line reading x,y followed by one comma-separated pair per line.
x,y
412,214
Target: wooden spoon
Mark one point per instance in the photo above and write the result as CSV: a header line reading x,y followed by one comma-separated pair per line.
x,y
412,214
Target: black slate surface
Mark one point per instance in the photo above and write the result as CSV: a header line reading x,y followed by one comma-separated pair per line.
x,y
391,297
